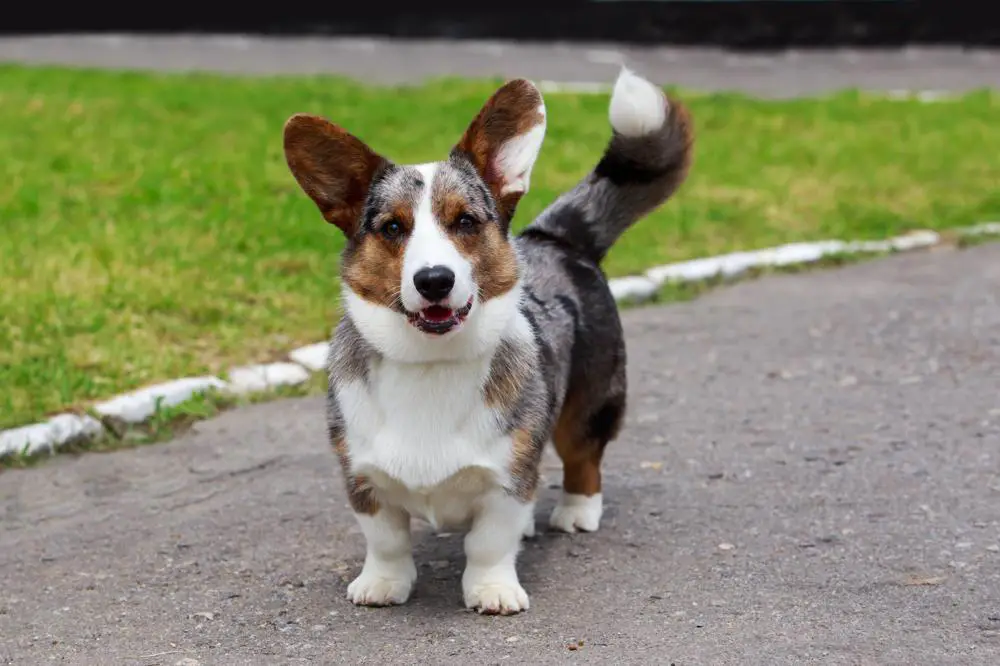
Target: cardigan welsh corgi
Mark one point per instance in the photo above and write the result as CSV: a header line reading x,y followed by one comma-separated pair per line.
x,y
465,348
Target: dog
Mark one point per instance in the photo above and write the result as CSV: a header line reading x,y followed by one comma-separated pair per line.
x,y
465,349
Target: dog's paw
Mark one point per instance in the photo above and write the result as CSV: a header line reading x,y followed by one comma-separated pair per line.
x,y
577,513
529,529
496,598
381,587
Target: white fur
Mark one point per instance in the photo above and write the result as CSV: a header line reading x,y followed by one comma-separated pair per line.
x,y
637,106
490,583
389,572
398,340
419,424
577,512
432,449
428,246
517,157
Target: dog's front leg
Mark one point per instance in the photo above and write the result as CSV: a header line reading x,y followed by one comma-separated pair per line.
x,y
389,571
490,583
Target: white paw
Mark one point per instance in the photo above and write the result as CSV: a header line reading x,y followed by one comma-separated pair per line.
x,y
497,597
382,586
577,513
529,529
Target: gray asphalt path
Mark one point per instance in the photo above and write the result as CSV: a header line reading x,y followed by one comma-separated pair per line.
x,y
791,73
810,474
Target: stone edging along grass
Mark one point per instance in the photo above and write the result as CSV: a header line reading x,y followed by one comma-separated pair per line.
x,y
113,417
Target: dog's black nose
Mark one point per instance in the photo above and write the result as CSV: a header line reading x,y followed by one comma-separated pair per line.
x,y
435,282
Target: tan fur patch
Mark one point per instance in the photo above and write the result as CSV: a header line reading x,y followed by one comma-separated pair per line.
x,y
494,263
511,112
360,493
447,204
373,266
508,373
525,456
581,457
332,166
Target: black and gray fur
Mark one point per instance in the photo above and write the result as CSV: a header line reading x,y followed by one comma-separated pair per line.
x,y
567,297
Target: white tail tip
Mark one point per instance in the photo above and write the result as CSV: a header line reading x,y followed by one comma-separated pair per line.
x,y
638,107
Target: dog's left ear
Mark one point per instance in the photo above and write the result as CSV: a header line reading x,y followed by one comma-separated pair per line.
x,y
504,139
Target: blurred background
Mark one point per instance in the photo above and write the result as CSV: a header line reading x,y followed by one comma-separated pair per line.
x,y
731,23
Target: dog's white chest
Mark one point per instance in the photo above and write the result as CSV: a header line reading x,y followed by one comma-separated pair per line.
x,y
425,438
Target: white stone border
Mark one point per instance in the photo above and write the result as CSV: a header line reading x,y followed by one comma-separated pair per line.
x,y
137,406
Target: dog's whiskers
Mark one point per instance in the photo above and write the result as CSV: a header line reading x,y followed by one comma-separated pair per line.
x,y
394,300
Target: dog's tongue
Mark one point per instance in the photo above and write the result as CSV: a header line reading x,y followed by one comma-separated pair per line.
x,y
437,313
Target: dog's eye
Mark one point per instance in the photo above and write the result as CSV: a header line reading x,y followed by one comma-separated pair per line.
x,y
392,229
466,223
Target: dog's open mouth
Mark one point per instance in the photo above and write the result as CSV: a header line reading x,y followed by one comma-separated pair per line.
x,y
438,319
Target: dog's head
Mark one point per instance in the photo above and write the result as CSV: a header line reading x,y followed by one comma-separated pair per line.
x,y
429,271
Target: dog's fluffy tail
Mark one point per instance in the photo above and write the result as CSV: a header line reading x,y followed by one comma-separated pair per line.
x,y
645,162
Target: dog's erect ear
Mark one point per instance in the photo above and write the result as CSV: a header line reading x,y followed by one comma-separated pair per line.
x,y
504,139
333,167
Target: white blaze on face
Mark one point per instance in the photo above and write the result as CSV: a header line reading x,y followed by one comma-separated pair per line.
x,y
427,246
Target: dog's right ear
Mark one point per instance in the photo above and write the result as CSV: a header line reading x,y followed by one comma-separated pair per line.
x,y
333,167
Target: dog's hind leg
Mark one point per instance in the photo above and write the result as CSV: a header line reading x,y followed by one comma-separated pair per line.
x,y
585,426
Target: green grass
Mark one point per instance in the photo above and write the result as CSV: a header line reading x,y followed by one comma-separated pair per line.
x,y
150,228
